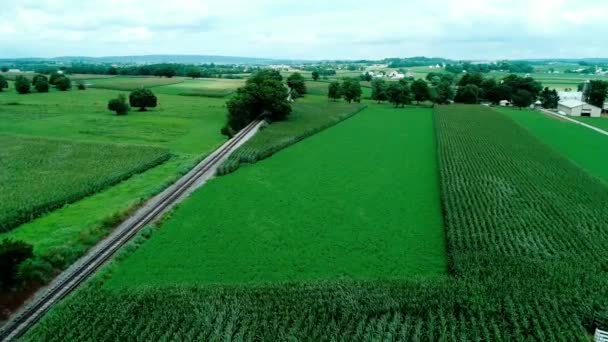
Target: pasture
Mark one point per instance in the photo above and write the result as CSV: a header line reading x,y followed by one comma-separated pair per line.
x,y
185,127
129,83
348,203
209,87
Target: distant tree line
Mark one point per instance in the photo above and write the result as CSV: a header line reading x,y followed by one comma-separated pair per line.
x,y
506,66
413,62
42,83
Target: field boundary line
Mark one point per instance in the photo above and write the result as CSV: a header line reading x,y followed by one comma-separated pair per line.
x,y
601,131
105,249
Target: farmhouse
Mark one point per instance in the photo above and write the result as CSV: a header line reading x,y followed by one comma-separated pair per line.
x,y
578,108
396,75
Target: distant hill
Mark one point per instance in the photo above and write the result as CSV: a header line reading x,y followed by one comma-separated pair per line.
x,y
153,59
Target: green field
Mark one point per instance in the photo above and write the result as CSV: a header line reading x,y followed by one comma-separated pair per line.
x,y
601,123
584,147
126,83
310,115
187,127
63,171
300,216
210,87
525,235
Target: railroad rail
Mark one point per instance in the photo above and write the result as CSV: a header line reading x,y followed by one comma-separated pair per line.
x,y
87,265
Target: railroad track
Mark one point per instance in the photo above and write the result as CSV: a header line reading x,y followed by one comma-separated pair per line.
x,y
82,269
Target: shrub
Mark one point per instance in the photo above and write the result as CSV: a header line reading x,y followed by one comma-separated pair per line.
x,y
3,83
12,254
22,84
81,86
119,105
142,98
35,269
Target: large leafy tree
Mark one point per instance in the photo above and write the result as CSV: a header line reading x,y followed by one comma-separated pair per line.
x,y
315,75
334,91
263,95
194,73
595,93
467,94
22,84
351,90
420,90
41,84
399,93
142,99
379,89
512,83
522,98
549,98
54,77
296,83
63,83
444,93
472,78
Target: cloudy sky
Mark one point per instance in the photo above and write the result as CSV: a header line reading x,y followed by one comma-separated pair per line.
x,y
306,29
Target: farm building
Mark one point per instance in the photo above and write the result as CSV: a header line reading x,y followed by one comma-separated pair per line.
x,y
578,108
570,95
504,103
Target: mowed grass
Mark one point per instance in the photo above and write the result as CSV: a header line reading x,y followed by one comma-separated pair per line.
x,y
39,175
125,83
601,122
581,145
209,87
356,201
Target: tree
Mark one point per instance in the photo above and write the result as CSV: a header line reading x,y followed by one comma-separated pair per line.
x,y
194,73
41,84
334,91
549,98
444,93
119,105
315,75
351,90
263,95
81,86
142,98
12,254
22,84
112,71
367,77
420,90
63,83
296,82
595,93
512,83
4,69
467,94
522,98
472,78
54,77
37,77
379,88
491,91
399,93
3,83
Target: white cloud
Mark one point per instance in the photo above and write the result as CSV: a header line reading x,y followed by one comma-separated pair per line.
x,y
306,29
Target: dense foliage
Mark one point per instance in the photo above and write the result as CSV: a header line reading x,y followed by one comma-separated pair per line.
x,y
41,83
22,84
296,84
63,83
64,172
351,90
119,105
505,66
142,98
3,83
263,95
334,91
596,92
12,254
413,62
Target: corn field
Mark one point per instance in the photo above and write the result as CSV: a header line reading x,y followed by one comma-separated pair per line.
x,y
526,234
63,171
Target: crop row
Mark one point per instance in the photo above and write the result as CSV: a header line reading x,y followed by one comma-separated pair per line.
x,y
39,175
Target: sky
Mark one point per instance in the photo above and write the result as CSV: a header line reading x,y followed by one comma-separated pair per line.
x,y
306,29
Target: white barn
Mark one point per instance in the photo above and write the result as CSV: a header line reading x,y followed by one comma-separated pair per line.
x,y
578,108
